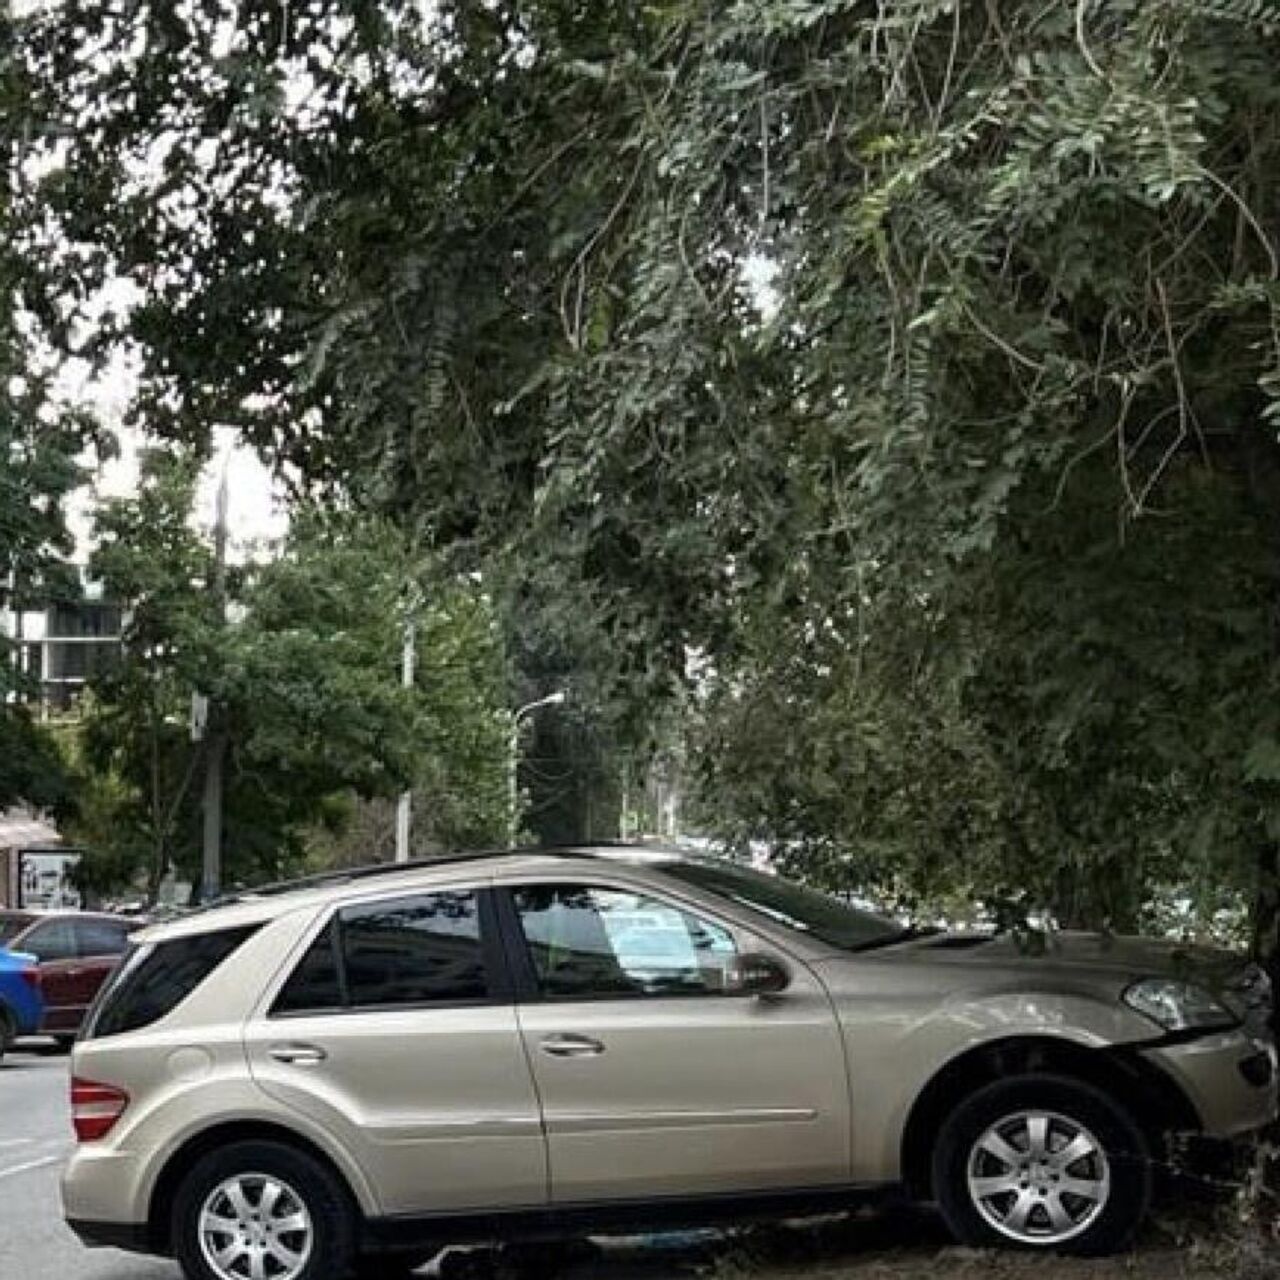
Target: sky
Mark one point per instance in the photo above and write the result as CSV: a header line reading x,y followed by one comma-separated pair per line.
x,y
256,501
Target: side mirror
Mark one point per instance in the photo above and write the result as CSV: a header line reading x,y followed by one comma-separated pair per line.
x,y
756,974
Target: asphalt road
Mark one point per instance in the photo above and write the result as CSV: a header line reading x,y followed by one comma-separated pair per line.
x,y
35,1139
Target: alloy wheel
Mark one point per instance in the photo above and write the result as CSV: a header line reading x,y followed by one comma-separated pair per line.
x,y
1039,1177
254,1226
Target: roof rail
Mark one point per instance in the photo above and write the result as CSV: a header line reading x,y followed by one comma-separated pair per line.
x,y
347,875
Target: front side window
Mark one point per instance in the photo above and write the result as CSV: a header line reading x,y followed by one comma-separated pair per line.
x,y
415,951
591,941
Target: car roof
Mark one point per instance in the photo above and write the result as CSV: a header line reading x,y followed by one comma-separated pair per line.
x,y
254,906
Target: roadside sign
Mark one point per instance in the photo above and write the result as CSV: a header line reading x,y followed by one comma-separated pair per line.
x,y
45,879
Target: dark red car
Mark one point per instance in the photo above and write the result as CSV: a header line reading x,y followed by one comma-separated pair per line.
x,y
76,951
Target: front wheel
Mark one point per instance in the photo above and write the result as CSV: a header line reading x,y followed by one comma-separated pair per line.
x,y
263,1211
1042,1162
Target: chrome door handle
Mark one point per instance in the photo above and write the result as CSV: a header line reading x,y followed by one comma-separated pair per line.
x,y
568,1046
298,1055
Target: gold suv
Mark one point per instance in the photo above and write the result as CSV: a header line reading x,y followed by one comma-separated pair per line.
x,y
344,1074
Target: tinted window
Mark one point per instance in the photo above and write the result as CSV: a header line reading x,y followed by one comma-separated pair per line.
x,y
316,983
53,940
152,981
100,937
419,950
587,941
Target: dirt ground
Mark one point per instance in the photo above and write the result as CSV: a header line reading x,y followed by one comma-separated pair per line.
x,y
913,1245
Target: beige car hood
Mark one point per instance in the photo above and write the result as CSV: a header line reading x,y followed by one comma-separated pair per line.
x,y
1108,958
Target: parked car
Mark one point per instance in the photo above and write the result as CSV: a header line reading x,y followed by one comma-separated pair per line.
x,y
76,951
358,1069
21,1004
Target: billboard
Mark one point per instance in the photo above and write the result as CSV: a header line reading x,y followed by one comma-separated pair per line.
x,y
45,879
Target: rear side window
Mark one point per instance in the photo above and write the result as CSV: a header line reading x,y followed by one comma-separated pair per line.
x,y
153,980
423,950
316,983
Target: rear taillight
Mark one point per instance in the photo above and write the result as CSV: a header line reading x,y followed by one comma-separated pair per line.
x,y
31,977
95,1108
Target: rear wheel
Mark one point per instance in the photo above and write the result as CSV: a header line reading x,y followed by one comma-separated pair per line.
x,y
1042,1162
263,1211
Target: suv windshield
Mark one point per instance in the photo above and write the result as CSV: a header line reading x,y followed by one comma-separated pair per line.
x,y
790,904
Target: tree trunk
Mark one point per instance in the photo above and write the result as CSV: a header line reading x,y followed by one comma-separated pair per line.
x,y
1265,941
156,872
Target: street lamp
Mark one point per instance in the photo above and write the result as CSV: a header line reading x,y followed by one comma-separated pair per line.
x,y
215,738
404,805
513,761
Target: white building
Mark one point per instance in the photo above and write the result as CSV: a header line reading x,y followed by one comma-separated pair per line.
x,y
58,650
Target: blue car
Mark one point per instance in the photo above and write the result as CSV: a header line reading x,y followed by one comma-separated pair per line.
x,y
21,1003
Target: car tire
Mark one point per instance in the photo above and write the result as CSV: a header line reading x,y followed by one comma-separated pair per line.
x,y
265,1197
7,1031
1042,1162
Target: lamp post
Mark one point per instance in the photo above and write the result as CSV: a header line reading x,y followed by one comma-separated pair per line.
x,y
513,762
404,806
205,721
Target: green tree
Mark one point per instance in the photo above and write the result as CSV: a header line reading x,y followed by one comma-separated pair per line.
x,y
303,681
40,450
313,678
1013,381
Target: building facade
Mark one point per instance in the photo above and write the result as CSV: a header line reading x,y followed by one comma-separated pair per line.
x,y
58,650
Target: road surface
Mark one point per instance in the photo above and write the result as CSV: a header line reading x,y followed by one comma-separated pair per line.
x,y
35,1138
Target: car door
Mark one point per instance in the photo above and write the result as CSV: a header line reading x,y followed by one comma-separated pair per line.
x,y
53,943
396,1033
653,1080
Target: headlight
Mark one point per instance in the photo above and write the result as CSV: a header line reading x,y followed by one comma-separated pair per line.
x,y
1176,1005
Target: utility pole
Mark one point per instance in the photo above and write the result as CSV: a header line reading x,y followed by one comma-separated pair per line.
x,y
216,743
513,762
404,808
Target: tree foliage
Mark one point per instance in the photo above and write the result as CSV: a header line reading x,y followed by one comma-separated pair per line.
x,y
303,682
40,449
905,377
